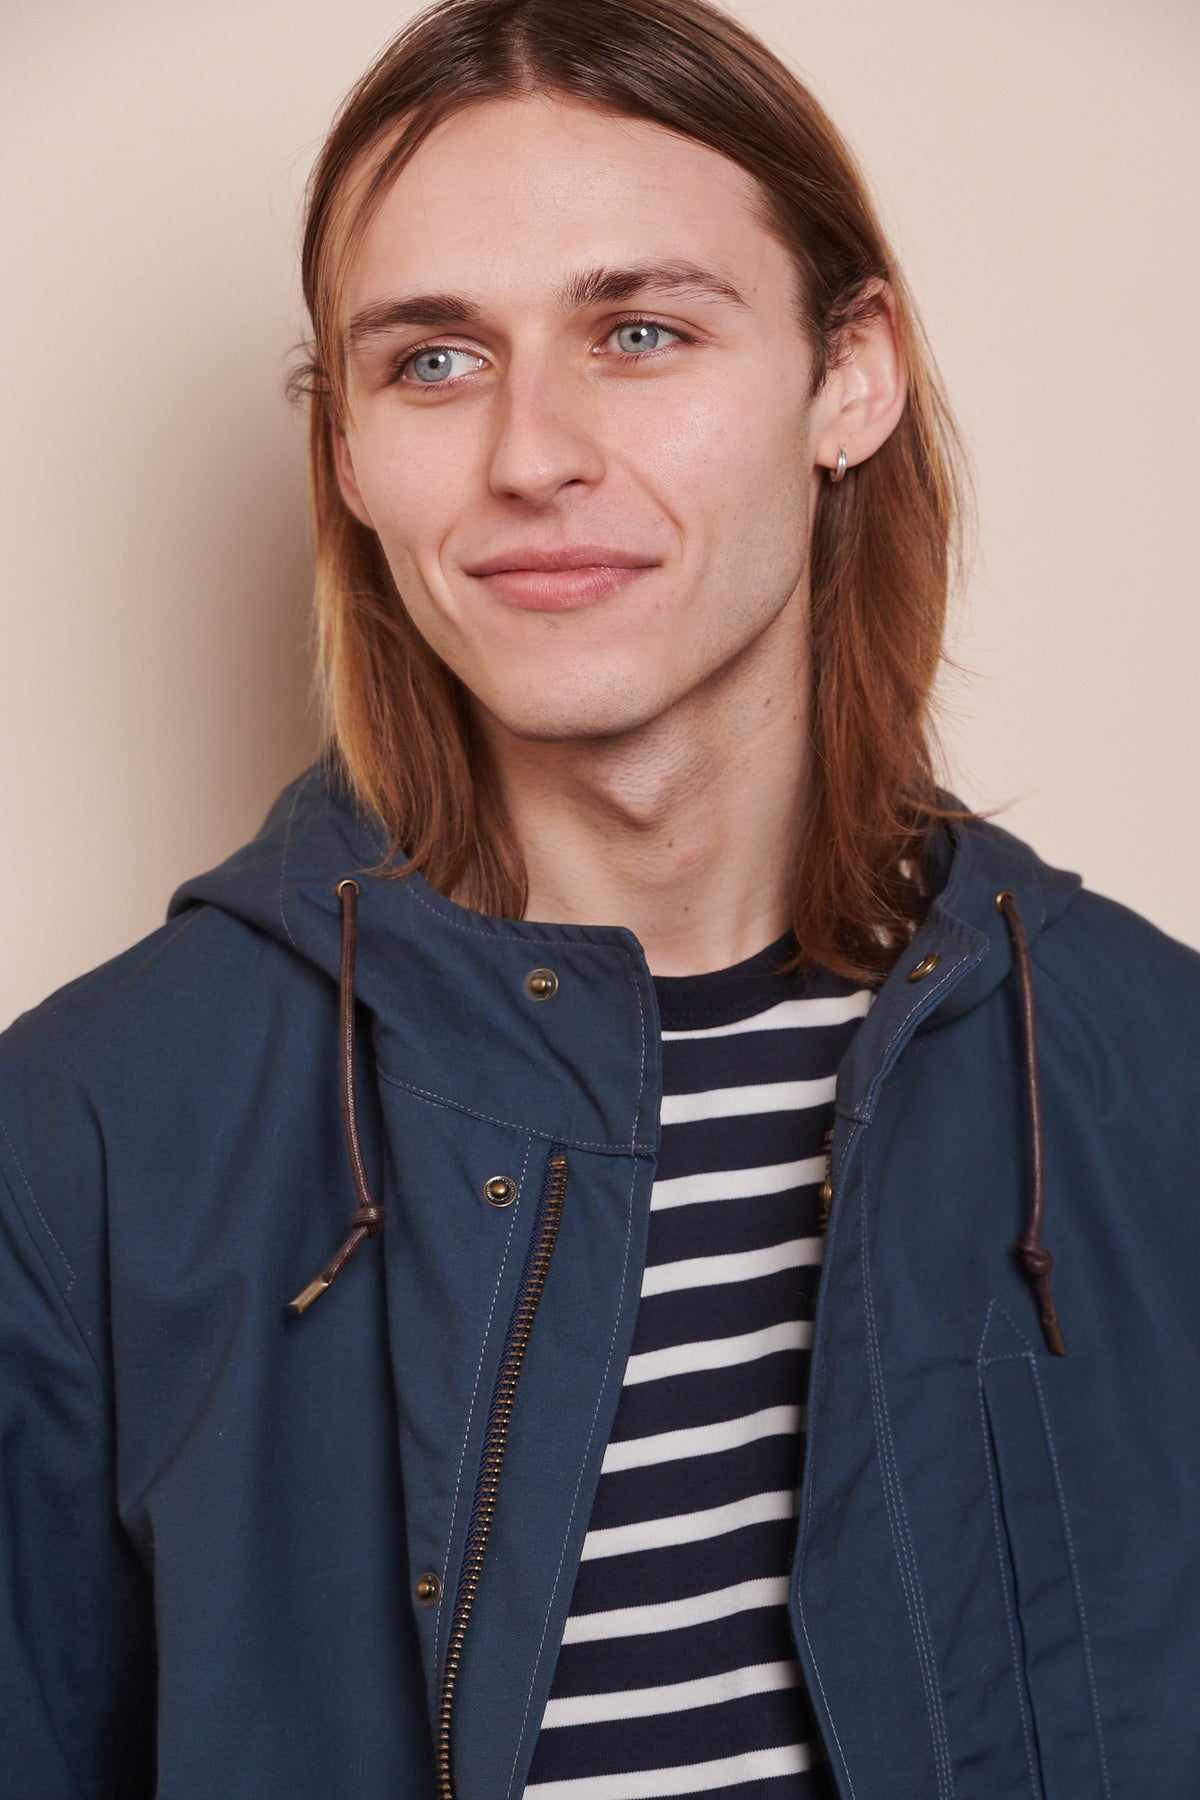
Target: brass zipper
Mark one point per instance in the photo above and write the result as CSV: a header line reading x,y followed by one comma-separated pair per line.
x,y
495,1440
827,1184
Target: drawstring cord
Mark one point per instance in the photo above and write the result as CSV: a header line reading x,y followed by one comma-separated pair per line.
x,y
1038,1260
367,1219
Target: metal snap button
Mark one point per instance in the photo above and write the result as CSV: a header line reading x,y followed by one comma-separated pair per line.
x,y
428,1589
541,984
499,1190
925,967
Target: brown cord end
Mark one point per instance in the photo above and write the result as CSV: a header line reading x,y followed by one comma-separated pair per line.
x,y
367,1220
1039,1263
1052,1333
1038,1260
304,1300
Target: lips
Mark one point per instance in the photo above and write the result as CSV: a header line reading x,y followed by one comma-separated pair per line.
x,y
533,579
570,556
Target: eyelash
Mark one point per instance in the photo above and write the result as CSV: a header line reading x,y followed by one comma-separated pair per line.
x,y
625,356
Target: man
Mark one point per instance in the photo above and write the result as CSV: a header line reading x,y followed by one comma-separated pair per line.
x,y
622,892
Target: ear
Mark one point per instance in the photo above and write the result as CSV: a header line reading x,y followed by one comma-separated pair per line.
x,y
347,480
863,395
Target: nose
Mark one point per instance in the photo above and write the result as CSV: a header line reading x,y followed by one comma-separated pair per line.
x,y
544,440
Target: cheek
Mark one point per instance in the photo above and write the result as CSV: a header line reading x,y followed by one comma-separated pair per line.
x,y
735,454
758,529
411,491
750,495
414,502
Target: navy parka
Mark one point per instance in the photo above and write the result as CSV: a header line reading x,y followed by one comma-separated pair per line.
x,y
232,1538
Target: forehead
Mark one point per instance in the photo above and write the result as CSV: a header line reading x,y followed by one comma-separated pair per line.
x,y
513,193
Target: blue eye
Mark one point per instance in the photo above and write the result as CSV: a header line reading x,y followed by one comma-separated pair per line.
x,y
643,334
435,364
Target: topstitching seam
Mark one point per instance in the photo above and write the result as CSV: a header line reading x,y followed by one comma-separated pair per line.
x,y
1075,1581
927,1000
981,1364
898,1524
512,1219
800,1562
509,937
641,1065
41,1215
578,1483
471,1112
283,858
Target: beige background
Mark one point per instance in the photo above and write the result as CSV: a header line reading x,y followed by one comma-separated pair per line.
x,y
1036,160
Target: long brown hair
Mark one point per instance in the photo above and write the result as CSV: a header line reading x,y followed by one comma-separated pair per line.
x,y
397,723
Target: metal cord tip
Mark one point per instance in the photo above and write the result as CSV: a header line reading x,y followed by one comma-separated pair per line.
x,y
304,1300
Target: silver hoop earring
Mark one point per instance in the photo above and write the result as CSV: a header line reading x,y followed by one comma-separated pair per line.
x,y
839,474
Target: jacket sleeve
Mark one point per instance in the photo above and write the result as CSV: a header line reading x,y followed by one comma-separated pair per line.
x,y
76,1626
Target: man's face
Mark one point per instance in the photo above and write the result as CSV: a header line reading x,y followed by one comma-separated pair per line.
x,y
521,380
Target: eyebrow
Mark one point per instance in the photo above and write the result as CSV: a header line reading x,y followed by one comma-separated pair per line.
x,y
588,287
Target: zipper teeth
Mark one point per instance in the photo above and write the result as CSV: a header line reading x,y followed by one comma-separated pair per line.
x,y
495,1441
827,1183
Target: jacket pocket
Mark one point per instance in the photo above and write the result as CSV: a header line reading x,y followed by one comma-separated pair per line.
x,y
1045,1603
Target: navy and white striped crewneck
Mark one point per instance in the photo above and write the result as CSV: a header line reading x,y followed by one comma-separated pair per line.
x,y
677,1671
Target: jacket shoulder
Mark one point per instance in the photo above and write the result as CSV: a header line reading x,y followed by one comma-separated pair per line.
x,y
1123,967
1120,1000
128,1060
197,964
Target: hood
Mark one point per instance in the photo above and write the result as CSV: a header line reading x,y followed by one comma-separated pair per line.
x,y
447,990
454,994
284,883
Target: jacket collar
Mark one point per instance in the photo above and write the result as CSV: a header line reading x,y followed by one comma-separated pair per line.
x,y
453,1015
960,954
455,1019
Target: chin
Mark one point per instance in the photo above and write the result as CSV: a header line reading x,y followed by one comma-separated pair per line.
x,y
585,728
569,715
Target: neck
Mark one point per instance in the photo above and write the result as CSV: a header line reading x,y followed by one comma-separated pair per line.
x,y
686,831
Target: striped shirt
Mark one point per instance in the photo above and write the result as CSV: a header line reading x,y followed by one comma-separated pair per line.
x,y
677,1672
